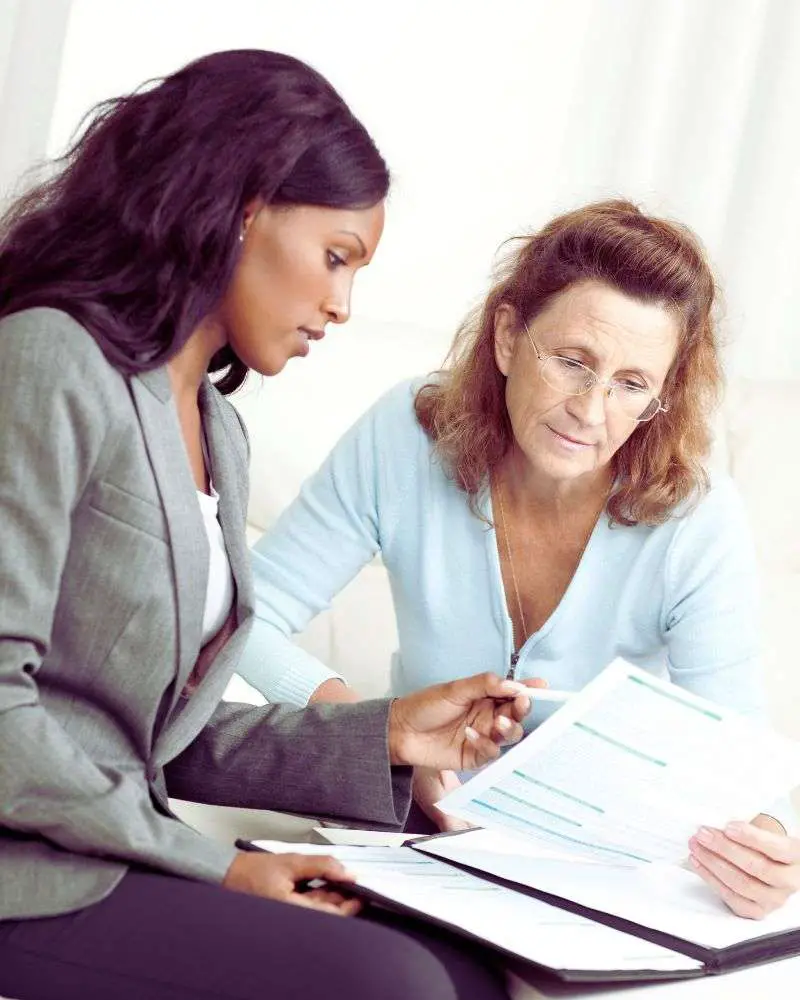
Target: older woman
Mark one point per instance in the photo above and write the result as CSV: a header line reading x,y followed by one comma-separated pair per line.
x,y
541,505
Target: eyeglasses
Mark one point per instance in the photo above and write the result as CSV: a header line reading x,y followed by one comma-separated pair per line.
x,y
572,378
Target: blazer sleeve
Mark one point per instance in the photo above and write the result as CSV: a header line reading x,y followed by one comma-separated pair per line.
x,y
56,395
330,761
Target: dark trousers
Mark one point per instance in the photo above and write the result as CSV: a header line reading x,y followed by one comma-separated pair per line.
x,y
162,938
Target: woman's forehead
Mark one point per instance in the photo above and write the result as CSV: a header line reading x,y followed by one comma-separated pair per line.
x,y
605,322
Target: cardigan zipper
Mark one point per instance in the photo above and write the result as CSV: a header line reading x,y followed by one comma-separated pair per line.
x,y
512,667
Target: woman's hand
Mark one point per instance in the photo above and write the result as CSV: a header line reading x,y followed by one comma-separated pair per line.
x,y
753,867
458,725
275,876
429,786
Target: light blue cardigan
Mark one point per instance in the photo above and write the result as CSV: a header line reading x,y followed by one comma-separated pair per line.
x,y
679,598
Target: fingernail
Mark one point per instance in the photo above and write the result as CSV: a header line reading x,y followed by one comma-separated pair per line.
x,y
704,835
471,733
693,861
503,723
735,827
512,687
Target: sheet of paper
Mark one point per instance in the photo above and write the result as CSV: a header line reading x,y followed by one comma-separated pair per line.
x,y
361,838
628,770
664,897
532,929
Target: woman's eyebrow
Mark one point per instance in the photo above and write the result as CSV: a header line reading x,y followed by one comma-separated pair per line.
x,y
356,237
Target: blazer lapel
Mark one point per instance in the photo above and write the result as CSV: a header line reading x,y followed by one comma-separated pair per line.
x,y
152,397
229,475
228,469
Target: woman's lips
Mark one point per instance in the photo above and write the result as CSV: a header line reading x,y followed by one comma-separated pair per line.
x,y
573,444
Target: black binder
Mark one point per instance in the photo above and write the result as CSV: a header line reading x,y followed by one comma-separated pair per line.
x,y
760,948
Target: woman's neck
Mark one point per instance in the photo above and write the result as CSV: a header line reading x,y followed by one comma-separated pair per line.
x,y
526,489
188,367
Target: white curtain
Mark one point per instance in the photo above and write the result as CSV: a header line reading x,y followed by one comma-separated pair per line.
x,y
32,34
694,106
493,116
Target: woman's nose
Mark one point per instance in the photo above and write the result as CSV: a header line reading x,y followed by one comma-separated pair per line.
x,y
337,308
589,407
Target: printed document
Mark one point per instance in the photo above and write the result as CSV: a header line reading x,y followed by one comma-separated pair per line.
x,y
626,771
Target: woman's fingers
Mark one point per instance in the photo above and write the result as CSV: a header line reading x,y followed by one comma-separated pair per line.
x,y
520,707
478,749
506,731
767,857
751,864
742,906
733,875
319,899
777,846
310,866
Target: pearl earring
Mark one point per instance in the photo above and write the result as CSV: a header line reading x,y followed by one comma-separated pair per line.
x,y
241,237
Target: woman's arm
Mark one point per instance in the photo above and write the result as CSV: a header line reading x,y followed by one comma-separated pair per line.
x,y
712,630
710,619
342,517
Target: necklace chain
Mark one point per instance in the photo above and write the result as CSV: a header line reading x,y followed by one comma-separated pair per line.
x,y
507,540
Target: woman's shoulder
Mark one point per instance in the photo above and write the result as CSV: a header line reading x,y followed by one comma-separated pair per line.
x,y
714,522
41,323
711,516
53,346
393,415
720,503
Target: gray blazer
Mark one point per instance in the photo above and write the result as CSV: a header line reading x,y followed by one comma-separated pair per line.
x,y
103,572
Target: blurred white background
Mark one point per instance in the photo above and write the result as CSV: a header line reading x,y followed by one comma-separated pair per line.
x,y
492,117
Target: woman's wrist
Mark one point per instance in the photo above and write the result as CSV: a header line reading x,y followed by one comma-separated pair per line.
x,y
333,690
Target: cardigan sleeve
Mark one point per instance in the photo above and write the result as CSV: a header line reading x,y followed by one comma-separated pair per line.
x,y
340,520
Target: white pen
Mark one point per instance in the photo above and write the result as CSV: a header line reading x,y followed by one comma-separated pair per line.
x,y
549,694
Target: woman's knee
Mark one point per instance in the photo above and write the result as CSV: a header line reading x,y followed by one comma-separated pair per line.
x,y
389,965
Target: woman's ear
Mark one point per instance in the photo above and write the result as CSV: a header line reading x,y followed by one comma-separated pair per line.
x,y
249,213
505,336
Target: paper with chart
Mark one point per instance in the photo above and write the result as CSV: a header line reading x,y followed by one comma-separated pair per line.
x,y
518,923
628,770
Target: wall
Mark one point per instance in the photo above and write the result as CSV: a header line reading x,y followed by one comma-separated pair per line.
x,y
32,34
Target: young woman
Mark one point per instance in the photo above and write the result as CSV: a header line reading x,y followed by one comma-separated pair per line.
x,y
211,222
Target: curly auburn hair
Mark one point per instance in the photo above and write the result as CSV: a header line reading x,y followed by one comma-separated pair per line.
x,y
660,467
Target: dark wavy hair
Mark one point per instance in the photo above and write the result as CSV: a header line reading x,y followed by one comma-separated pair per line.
x,y
136,233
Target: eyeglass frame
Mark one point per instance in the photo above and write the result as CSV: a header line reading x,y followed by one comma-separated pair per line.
x,y
608,384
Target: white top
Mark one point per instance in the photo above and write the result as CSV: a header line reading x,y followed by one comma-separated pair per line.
x,y
219,593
